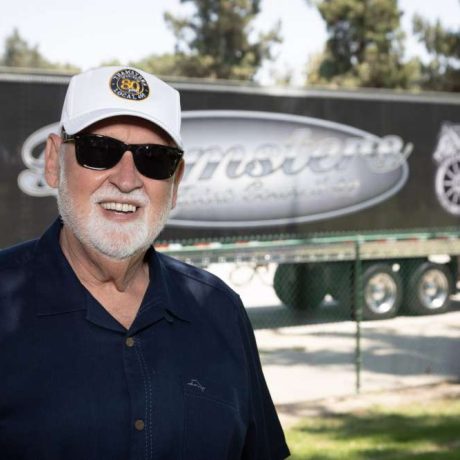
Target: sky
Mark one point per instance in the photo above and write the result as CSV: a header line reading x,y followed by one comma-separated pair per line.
x,y
92,31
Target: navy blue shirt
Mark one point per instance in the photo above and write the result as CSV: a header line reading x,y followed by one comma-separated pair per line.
x,y
184,382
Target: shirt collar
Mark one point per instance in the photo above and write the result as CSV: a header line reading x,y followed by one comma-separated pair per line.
x,y
60,291
163,288
56,286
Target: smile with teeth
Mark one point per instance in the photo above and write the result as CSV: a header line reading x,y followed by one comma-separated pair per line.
x,y
119,207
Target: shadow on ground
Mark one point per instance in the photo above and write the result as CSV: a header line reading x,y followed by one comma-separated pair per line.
x,y
426,348
283,316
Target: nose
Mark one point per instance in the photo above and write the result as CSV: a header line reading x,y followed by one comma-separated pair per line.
x,y
125,175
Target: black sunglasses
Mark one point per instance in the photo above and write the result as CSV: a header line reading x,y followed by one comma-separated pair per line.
x,y
94,151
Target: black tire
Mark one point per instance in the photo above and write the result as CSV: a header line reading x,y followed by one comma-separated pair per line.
x,y
339,276
295,286
429,289
382,292
288,282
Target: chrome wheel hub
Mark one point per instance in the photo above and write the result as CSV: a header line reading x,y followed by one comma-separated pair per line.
x,y
433,289
380,293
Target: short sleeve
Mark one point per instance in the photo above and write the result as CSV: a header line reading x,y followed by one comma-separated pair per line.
x,y
265,438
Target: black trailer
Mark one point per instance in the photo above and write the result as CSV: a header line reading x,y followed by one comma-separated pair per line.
x,y
291,176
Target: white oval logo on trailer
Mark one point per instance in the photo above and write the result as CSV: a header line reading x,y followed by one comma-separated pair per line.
x,y
254,169
250,169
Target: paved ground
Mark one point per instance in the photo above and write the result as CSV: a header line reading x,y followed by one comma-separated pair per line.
x,y
307,366
313,361
314,367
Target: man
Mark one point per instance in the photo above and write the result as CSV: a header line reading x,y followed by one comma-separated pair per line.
x,y
108,349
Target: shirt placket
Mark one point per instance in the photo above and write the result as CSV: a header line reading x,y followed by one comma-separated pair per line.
x,y
141,392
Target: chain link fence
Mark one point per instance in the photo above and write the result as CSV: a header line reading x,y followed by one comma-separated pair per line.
x,y
375,320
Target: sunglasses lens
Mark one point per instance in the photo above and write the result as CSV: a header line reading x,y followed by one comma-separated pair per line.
x,y
157,161
97,152
151,160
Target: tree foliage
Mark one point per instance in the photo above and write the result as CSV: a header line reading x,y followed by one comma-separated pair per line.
x,y
365,46
443,70
170,64
218,40
18,53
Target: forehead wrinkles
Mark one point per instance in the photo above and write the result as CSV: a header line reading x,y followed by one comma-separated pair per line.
x,y
132,135
131,130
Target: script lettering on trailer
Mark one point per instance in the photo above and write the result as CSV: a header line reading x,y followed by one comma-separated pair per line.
x,y
249,169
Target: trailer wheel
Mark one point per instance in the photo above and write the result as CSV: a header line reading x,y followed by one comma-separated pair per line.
x,y
288,282
382,292
448,184
293,286
430,287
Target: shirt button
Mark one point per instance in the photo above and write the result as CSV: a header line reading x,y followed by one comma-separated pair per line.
x,y
139,424
129,342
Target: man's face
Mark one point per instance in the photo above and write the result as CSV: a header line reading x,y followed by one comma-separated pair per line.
x,y
119,212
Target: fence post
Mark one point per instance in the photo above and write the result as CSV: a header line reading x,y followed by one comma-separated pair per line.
x,y
358,287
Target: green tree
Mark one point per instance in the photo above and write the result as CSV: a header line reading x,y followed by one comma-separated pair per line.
x,y
443,70
18,53
160,64
365,46
214,41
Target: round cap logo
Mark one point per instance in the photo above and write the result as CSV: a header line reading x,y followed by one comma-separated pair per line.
x,y
129,84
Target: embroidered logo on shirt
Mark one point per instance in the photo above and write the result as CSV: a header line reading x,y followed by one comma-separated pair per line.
x,y
195,383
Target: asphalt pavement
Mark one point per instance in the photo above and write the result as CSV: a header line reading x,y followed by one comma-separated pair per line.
x,y
310,362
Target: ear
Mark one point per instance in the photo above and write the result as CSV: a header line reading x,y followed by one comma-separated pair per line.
x,y
177,179
52,167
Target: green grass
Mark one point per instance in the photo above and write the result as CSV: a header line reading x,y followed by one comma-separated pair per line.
x,y
423,431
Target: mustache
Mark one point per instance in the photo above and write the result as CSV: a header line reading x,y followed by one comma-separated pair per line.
x,y
113,194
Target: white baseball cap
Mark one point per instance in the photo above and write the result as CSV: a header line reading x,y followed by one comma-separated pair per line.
x,y
112,91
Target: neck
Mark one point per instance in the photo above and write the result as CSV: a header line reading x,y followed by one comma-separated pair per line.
x,y
98,270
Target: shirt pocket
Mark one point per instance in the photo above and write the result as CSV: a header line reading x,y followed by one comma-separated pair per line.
x,y
213,426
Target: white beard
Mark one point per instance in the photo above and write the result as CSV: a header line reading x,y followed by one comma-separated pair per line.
x,y
117,240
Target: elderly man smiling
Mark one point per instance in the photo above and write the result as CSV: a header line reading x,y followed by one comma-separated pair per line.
x,y
108,349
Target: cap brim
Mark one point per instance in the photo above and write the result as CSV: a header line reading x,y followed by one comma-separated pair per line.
x,y
83,121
